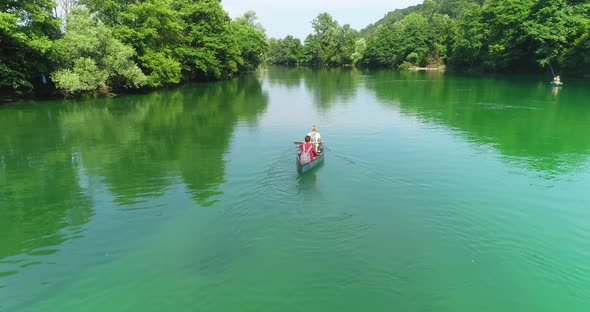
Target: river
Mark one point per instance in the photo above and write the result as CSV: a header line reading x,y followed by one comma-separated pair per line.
x,y
439,192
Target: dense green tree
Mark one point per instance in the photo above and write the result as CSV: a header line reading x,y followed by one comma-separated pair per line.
x,y
330,44
452,8
311,50
286,51
550,26
129,43
275,53
383,46
27,31
215,47
576,58
345,45
178,40
440,38
360,46
408,40
91,58
492,35
506,45
251,40
325,34
295,50
414,28
153,28
455,8
521,35
468,40
209,50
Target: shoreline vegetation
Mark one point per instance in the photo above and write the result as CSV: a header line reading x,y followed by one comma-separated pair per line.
x,y
57,48
493,36
427,68
99,47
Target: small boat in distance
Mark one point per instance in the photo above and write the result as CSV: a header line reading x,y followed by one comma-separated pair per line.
x,y
556,83
303,168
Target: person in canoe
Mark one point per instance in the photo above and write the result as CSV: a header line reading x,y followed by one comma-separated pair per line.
x,y
556,80
307,151
316,138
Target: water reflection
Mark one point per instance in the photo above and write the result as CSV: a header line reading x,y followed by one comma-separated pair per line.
x,y
186,131
40,187
137,146
529,122
290,77
525,121
327,86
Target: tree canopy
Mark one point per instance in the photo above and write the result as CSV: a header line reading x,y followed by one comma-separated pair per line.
x,y
465,35
27,31
330,44
85,46
93,45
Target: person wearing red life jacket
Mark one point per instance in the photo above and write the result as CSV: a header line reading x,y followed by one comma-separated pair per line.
x,y
307,148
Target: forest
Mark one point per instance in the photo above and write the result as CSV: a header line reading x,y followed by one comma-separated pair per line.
x,y
504,36
73,47
102,46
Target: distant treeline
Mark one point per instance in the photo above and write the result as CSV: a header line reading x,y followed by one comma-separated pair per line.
x,y
466,35
90,46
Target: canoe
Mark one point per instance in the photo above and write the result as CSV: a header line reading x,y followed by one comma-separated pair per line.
x,y
310,165
555,83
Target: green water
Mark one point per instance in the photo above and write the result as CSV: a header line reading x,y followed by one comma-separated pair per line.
x,y
438,193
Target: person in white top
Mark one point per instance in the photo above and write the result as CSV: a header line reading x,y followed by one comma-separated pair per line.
x,y
316,138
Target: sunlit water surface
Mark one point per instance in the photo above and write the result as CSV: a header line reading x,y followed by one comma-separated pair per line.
x,y
438,193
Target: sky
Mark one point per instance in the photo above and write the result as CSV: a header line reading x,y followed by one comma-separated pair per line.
x,y
293,17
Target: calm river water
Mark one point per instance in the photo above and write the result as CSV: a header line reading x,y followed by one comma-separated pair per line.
x,y
438,193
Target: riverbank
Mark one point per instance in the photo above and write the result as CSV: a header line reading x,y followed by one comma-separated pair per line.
x,y
441,68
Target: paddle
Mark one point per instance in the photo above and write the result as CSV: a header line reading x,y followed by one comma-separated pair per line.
x,y
301,142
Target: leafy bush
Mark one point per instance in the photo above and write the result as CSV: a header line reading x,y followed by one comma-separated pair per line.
x,y
92,58
406,65
163,70
413,58
85,76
